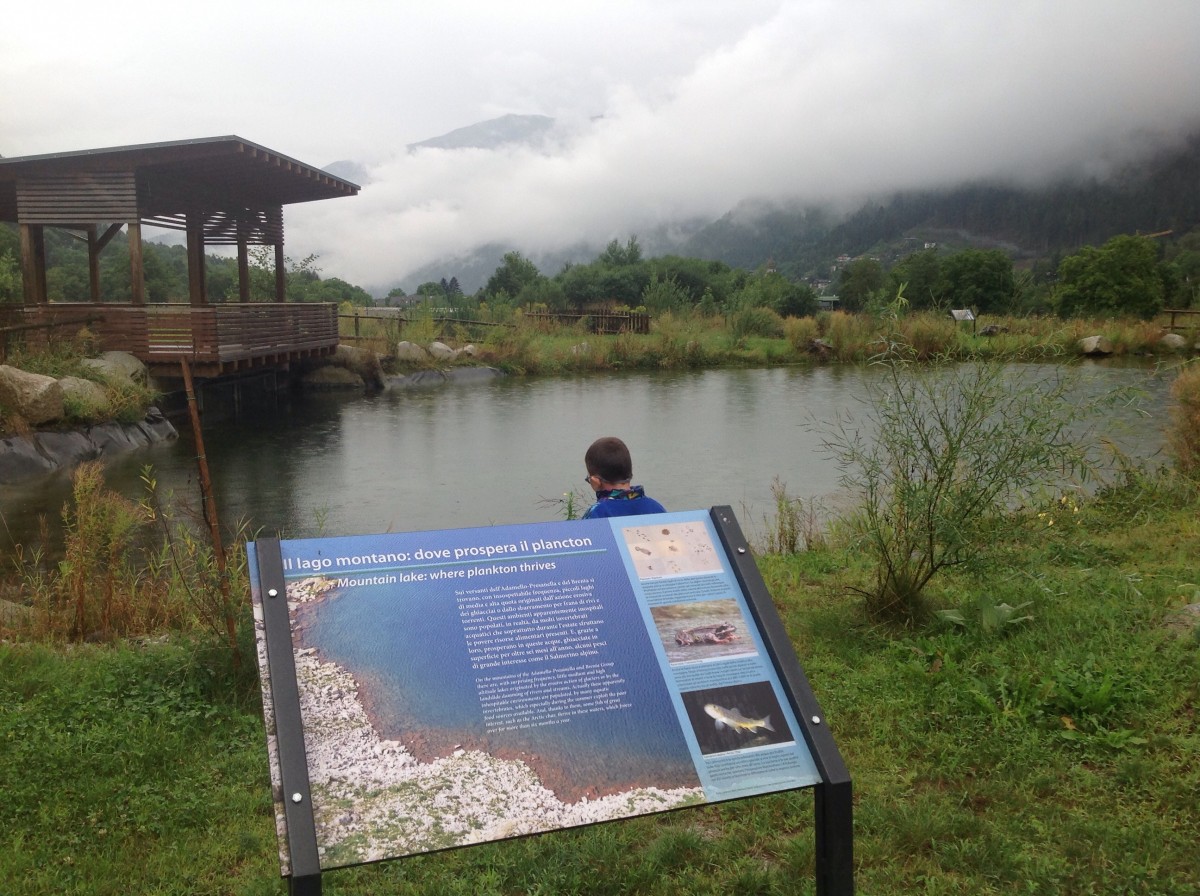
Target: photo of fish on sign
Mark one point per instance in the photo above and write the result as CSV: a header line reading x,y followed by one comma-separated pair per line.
x,y
736,718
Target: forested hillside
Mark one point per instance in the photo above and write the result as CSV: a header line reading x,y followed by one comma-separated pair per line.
x,y
1160,193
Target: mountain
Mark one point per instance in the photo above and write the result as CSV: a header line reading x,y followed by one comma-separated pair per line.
x,y
496,132
1159,193
352,171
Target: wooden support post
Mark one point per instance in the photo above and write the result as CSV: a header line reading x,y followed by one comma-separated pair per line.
x,y
280,273
94,248
195,253
243,265
137,265
33,263
210,515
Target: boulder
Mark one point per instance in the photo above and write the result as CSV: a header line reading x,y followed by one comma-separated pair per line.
x,y
85,395
118,366
1172,342
410,351
442,352
361,361
36,398
1095,345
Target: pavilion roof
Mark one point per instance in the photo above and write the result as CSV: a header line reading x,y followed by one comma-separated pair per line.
x,y
173,178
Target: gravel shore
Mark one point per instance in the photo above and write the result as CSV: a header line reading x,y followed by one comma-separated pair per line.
x,y
374,800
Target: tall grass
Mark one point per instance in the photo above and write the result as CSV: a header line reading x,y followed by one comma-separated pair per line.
x,y
128,569
124,401
1184,433
759,337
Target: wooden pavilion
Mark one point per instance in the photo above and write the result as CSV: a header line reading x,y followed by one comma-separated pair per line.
x,y
220,191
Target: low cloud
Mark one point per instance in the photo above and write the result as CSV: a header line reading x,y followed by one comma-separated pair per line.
x,y
665,112
816,104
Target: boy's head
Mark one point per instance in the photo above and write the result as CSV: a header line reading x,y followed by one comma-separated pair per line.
x,y
609,459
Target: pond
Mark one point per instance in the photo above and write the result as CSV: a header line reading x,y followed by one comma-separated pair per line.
x,y
509,449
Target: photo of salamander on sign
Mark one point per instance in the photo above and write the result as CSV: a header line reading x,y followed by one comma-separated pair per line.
x,y
721,633
696,630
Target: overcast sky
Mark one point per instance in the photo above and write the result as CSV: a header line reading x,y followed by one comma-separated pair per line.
x,y
704,103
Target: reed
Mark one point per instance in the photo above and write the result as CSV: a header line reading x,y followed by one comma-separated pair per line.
x,y
1184,433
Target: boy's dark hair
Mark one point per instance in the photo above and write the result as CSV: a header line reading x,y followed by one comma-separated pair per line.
x,y
609,459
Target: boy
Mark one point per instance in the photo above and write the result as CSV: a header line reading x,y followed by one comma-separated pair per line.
x,y
610,470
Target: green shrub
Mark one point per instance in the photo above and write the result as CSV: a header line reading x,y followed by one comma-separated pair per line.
x,y
755,321
947,451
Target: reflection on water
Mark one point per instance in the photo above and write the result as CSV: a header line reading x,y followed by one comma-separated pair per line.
x,y
507,450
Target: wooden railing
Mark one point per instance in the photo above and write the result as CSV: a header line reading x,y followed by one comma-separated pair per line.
x,y
599,321
218,336
1183,318
23,331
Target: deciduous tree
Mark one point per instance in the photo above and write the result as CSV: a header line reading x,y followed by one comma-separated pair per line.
x,y
1119,278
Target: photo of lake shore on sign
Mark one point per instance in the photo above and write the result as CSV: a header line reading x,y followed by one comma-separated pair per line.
x,y
374,798
702,630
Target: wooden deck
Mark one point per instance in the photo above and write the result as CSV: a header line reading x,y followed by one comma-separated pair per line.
x,y
217,340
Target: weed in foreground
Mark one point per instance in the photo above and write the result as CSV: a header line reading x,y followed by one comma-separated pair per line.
x,y
954,448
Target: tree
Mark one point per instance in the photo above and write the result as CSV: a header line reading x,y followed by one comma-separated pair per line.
x,y
861,278
1119,278
776,292
10,277
920,273
979,279
512,276
431,289
664,294
621,256
545,292
299,276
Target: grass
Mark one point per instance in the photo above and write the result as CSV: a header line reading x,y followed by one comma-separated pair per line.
x,y
124,401
1058,755
757,337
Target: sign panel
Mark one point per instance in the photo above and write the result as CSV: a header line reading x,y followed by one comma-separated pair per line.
x,y
467,685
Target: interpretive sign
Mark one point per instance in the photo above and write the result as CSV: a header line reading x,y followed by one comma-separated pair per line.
x,y
430,690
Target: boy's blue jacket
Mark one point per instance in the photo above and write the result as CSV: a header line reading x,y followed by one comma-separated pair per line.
x,y
623,502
